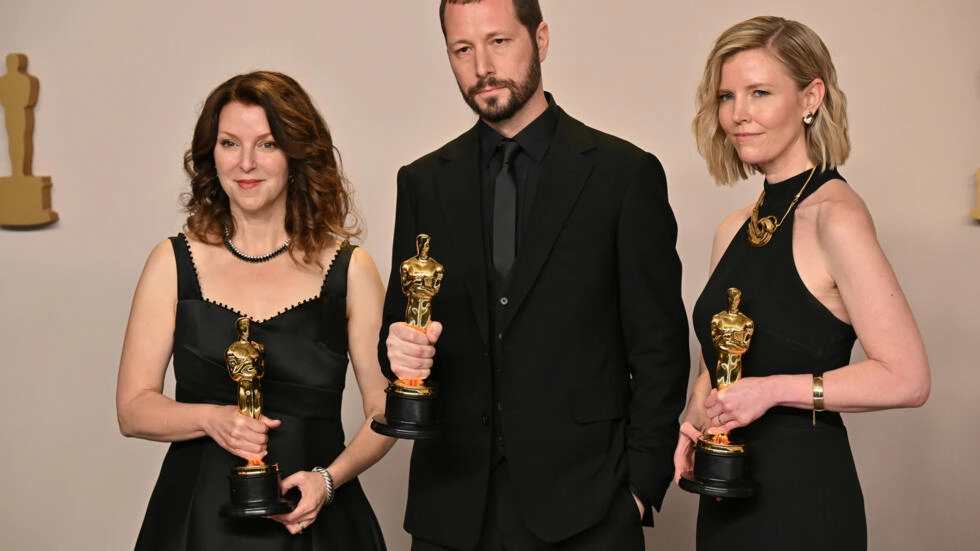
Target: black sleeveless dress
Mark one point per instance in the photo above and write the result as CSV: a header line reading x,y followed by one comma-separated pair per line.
x,y
810,497
306,364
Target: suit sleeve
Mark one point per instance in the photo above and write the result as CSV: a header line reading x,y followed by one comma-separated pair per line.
x,y
402,247
655,331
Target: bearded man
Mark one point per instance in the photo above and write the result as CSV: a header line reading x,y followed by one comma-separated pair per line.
x,y
559,339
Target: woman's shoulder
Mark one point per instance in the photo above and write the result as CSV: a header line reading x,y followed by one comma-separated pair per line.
x,y
160,270
731,224
361,262
353,255
364,286
200,251
835,207
735,220
839,221
726,232
163,250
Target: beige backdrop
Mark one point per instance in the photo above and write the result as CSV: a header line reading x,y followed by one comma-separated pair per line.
x,y
122,83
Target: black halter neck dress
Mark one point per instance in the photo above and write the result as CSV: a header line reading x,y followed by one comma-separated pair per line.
x,y
810,497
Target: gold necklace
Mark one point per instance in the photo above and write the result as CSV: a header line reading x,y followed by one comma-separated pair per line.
x,y
760,231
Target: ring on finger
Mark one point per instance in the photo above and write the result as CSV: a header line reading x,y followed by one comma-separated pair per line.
x,y
302,526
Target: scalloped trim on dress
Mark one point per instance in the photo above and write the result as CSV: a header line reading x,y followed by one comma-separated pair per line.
x,y
318,296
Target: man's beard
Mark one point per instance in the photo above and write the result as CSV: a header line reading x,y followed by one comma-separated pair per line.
x,y
520,93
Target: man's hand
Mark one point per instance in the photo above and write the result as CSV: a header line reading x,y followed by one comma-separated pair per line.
x,y
411,350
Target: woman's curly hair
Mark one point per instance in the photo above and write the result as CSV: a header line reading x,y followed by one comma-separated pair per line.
x,y
319,206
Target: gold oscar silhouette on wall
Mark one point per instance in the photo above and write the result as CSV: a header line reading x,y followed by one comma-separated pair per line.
x,y
975,213
25,199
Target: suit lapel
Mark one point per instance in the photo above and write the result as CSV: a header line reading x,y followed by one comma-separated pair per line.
x,y
566,168
458,188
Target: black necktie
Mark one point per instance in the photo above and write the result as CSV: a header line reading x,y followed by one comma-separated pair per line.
x,y
505,209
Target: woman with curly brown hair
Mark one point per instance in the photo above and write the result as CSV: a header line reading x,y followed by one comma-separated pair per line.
x,y
266,238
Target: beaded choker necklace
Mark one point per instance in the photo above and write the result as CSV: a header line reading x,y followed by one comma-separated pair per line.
x,y
761,230
250,258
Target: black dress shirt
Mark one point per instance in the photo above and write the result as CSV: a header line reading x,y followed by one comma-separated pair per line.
x,y
535,140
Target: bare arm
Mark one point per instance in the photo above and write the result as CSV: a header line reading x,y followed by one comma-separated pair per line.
x,y
865,293
695,418
365,295
695,413
896,371
142,409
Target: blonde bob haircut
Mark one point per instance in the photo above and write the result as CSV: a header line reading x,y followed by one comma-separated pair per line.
x,y
805,58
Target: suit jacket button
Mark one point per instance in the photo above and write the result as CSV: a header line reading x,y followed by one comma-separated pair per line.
x,y
504,301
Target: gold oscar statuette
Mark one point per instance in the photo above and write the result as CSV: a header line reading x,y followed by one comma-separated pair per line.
x,y
410,405
975,212
25,199
719,461
255,485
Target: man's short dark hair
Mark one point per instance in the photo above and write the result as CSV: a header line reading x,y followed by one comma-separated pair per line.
x,y
528,13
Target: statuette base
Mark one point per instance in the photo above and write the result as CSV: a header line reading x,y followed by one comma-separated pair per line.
x,y
719,471
410,413
255,493
25,201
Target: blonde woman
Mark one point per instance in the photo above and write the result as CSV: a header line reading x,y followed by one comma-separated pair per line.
x,y
813,278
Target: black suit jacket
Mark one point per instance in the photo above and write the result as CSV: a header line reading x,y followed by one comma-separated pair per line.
x,y
594,337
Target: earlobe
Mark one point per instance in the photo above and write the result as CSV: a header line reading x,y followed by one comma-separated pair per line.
x,y
543,38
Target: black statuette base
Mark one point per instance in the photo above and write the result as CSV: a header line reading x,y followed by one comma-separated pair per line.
x,y
407,416
255,495
718,475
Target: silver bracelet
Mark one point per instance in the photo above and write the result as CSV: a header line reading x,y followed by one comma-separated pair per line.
x,y
328,480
